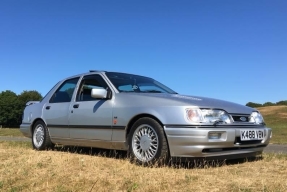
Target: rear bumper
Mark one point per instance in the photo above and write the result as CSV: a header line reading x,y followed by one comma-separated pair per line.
x,y
196,143
25,128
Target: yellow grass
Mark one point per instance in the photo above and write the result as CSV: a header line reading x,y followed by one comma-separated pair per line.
x,y
15,132
276,118
281,110
23,169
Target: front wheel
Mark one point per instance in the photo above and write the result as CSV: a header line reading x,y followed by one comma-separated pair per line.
x,y
41,138
147,142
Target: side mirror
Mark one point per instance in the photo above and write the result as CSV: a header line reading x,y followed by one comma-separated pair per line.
x,y
100,93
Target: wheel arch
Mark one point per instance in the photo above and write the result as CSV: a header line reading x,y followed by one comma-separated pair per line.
x,y
33,124
137,117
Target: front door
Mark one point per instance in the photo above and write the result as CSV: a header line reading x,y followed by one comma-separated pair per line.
x,y
91,119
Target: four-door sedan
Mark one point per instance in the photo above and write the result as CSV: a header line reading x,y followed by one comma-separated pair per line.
x,y
138,114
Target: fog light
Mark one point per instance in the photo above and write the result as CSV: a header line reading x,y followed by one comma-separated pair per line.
x,y
214,135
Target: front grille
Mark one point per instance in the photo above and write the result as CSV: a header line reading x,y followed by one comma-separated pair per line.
x,y
240,118
239,142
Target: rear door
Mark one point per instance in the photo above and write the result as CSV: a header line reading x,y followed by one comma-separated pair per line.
x,y
56,111
90,118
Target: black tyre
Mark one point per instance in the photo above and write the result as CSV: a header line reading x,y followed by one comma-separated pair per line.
x,y
147,142
41,138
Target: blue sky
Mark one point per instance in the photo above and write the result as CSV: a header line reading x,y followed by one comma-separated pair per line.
x,y
231,50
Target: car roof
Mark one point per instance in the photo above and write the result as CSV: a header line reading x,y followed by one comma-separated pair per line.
x,y
97,72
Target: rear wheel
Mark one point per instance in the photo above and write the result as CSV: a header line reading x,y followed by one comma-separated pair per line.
x,y
41,138
147,142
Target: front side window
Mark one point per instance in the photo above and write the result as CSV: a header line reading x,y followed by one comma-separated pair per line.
x,y
88,83
65,91
135,83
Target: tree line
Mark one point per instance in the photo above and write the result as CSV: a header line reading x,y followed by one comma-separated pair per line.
x,y
12,106
251,104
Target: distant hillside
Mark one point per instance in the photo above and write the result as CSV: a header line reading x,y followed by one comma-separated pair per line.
x,y
274,113
276,118
254,105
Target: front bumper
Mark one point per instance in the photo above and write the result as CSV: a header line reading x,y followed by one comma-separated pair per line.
x,y
196,142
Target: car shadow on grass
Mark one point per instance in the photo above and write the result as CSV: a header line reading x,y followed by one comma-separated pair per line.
x,y
115,154
202,163
179,164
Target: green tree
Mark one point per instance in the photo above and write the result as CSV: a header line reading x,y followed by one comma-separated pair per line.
x,y
268,104
282,102
9,109
26,96
12,106
253,105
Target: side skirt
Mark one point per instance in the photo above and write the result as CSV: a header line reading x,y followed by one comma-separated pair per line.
x,y
117,145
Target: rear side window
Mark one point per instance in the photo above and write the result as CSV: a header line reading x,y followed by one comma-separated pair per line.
x,y
65,91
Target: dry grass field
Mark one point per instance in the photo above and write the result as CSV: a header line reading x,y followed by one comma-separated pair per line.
x,y
13,132
62,170
23,169
276,118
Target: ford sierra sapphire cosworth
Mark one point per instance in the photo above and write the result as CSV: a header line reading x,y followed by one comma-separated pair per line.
x,y
144,117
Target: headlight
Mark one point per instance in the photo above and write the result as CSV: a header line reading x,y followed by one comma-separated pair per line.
x,y
214,116
256,117
194,115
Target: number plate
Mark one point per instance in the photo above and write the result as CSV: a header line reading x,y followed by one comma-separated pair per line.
x,y
251,134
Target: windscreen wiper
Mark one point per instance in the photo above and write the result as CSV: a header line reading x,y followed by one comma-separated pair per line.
x,y
152,91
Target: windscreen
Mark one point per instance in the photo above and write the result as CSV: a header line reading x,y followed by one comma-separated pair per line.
x,y
135,83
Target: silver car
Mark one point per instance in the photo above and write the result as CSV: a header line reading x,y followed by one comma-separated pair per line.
x,y
144,117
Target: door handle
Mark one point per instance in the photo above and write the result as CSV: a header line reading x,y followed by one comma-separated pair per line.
x,y
76,106
48,107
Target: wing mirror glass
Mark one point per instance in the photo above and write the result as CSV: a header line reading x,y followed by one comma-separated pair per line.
x,y
99,93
